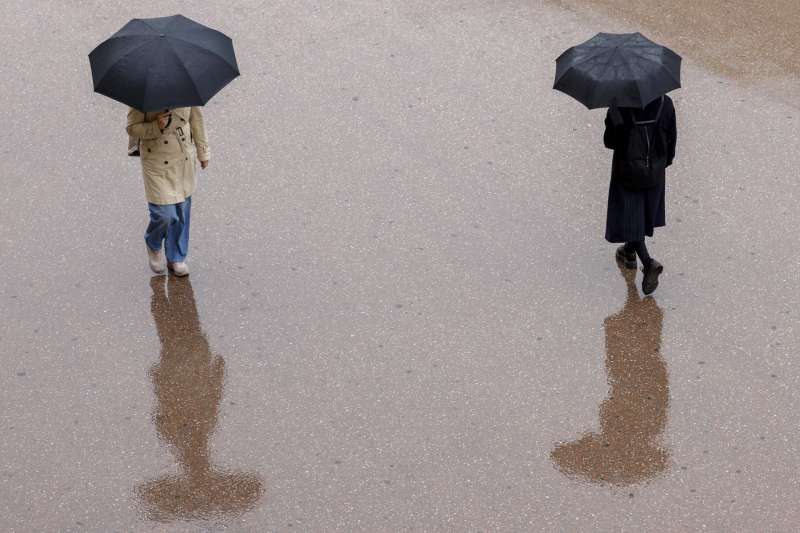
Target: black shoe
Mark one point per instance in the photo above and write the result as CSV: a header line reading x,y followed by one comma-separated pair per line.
x,y
651,273
626,258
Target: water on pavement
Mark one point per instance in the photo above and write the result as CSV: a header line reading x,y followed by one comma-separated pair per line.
x,y
401,313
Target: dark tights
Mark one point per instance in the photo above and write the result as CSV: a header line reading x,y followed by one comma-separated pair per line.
x,y
640,249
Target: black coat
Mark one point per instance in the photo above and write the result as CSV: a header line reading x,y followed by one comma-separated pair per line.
x,y
621,132
633,214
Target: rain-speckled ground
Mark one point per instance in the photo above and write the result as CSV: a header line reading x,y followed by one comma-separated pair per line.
x,y
402,314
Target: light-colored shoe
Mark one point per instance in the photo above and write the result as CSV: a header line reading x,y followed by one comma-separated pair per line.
x,y
156,260
179,269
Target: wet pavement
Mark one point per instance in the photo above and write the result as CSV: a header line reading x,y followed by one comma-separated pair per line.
x,y
401,313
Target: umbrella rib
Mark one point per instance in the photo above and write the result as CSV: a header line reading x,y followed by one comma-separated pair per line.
x,y
603,50
670,74
660,65
633,77
147,78
188,75
129,52
190,43
114,37
144,92
144,21
614,52
171,22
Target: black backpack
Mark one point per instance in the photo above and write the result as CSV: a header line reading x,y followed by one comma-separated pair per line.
x,y
643,159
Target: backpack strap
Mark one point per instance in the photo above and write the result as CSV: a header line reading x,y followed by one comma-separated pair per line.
x,y
648,122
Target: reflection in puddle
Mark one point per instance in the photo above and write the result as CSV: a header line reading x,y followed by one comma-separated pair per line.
x,y
188,382
633,417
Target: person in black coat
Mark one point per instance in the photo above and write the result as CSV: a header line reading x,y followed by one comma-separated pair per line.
x,y
644,142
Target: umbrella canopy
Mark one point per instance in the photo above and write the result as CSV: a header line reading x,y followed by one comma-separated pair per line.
x,y
626,70
163,63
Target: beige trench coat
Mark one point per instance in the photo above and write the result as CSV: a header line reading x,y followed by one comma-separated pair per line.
x,y
169,156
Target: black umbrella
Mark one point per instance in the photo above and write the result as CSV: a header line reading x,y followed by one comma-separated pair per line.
x,y
163,63
626,70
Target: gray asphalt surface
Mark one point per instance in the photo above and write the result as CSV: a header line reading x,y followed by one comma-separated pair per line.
x,y
402,313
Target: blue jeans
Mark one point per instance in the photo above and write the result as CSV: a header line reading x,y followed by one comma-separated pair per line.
x,y
170,223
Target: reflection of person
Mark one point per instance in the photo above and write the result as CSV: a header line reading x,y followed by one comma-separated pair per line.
x,y
644,142
633,417
188,384
169,142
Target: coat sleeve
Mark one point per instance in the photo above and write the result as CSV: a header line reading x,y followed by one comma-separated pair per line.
x,y
199,134
137,127
672,137
610,136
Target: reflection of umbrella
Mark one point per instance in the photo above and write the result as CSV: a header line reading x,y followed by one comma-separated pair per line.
x,y
162,63
632,419
188,382
199,495
626,70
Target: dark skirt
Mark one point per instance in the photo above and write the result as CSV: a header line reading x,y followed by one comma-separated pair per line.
x,y
633,214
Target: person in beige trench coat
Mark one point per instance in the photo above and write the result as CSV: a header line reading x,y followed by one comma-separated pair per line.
x,y
170,144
